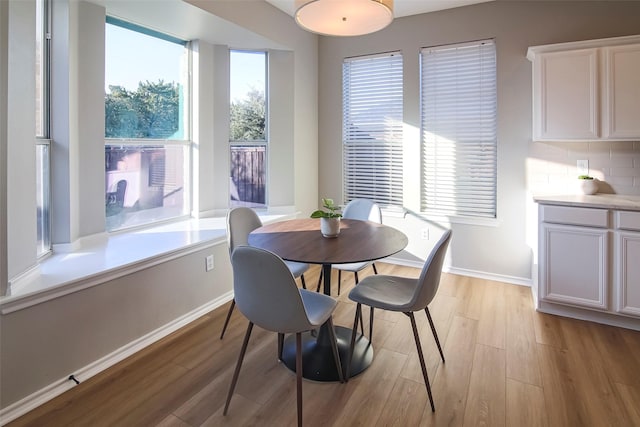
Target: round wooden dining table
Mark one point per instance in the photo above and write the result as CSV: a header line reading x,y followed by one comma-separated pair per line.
x,y
300,240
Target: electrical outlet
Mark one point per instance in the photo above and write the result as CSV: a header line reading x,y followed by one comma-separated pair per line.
x,y
424,234
209,265
583,167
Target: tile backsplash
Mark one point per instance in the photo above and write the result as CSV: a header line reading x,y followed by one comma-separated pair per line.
x,y
552,166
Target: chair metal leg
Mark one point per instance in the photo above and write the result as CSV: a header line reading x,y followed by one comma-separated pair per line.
x,y
236,373
375,271
280,345
339,280
371,324
355,274
319,281
421,357
334,349
226,322
299,376
354,331
304,285
435,334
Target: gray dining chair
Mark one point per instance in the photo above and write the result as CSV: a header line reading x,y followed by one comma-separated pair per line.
x,y
366,210
240,222
405,295
362,209
266,293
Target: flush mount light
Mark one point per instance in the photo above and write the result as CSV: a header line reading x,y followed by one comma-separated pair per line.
x,y
343,17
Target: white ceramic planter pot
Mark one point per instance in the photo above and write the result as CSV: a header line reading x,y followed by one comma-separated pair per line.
x,y
330,227
589,186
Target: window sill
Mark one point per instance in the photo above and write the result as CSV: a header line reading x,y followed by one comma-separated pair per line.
x,y
101,258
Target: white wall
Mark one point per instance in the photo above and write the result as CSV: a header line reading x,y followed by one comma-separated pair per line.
x,y
88,105
4,36
20,164
501,251
221,129
45,343
207,70
281,142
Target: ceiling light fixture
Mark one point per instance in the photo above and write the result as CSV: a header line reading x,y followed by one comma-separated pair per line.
x,y
343,17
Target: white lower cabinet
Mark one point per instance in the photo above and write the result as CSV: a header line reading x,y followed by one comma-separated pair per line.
x,y
627,257
574,265
589,264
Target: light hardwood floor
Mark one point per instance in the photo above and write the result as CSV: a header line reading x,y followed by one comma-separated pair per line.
x,y
505,365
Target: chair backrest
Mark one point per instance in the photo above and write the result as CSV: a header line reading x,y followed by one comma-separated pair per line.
x,y
240,222
429,279
266,292
364,209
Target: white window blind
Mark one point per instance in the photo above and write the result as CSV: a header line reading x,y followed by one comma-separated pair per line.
x,y
458,104
372,128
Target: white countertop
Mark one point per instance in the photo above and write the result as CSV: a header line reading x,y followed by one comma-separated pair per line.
x,y
602,201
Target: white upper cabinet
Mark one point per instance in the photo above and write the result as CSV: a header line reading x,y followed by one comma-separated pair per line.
x,y
586,91
622,92
565,97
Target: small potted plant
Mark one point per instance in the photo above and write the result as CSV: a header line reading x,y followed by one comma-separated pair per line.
x,y
329,218
588,185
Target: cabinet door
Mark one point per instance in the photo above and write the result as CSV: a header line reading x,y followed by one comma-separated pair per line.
x,y
574,265
628,273
621,111
566,101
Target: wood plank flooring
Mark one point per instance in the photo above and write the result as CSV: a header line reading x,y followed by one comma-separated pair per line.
x,y
506,365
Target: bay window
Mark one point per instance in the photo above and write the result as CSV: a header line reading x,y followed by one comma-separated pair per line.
x,y
147,147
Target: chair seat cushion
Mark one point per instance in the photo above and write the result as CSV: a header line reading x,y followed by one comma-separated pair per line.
x,y
387,292
318,306
354,266
297,268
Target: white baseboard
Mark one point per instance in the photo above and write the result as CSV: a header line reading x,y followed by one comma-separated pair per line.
x,y
522,281
55,389
589,315
21,279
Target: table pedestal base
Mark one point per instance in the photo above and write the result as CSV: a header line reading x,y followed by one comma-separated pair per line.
x,y
317,357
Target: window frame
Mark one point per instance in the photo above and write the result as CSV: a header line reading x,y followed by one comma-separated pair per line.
x,y
187,124
470,215
43,138
253,143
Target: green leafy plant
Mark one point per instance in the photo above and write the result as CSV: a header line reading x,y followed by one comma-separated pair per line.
x,y
331,210
585,177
